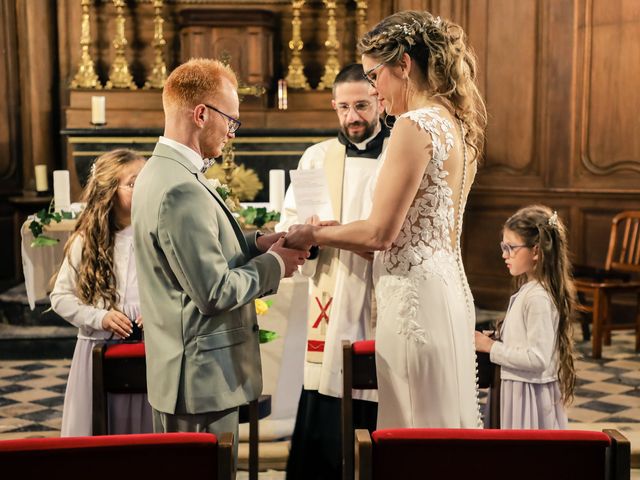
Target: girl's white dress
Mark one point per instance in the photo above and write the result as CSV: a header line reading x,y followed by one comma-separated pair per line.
x,y
530,396
425,353
128,413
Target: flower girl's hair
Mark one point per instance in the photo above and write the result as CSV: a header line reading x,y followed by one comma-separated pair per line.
x,y
97,225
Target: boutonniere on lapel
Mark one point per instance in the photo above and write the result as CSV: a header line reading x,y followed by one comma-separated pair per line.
x,y
262,307
225,193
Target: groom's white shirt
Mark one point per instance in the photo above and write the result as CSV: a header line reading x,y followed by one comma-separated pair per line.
x,y
195,158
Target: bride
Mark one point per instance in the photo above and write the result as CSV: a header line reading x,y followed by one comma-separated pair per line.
x,y
424,73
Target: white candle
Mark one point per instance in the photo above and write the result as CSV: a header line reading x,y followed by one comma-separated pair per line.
x,y
276,189
61,190
98,110
42,182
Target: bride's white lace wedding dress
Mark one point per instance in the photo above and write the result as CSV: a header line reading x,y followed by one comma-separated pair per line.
x,y
425,354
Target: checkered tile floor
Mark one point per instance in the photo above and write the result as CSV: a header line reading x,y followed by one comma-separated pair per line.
x,y
32,392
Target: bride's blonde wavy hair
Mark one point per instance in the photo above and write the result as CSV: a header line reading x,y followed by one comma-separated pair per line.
x,y
97,226
439,48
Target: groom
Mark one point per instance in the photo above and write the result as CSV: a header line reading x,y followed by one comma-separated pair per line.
x,y
198,274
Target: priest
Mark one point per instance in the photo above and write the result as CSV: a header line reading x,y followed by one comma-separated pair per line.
x,y
341,297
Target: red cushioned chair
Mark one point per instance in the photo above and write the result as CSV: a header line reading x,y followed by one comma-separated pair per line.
x,y
358,371
135,457
435,453
121,368
117,368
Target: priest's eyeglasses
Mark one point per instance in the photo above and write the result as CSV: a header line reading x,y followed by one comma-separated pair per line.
x,y
511,250
367,75
359,107
233,123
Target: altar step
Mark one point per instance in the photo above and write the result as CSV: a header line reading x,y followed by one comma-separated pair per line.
x,y
27,334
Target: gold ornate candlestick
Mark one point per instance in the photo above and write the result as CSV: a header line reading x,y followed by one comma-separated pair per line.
x,y
295,76
86,76
119,76
332,67
361,22
158,74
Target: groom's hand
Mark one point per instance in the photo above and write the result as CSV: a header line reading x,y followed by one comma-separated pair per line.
x,y
300,237
264,242
292,258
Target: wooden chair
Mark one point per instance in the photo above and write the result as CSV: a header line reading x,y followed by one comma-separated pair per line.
x,y
623,256
359,371
435,453
121,368
125,457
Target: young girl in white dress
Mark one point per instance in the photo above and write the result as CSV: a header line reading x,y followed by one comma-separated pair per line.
x,y
96,290
535,348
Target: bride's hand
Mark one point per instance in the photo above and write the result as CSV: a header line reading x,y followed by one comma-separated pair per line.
x,y
483,343
315,220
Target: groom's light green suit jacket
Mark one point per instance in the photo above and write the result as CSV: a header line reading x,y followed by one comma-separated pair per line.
x,y
198,275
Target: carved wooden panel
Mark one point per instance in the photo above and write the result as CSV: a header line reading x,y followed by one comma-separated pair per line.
x,y
607,95
9,107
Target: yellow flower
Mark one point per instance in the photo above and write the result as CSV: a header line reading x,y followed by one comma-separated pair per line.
x,y
261,307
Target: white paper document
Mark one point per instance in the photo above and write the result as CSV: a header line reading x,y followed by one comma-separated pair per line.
x,y
311,193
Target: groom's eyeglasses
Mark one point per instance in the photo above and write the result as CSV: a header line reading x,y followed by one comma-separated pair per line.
x,y
233,123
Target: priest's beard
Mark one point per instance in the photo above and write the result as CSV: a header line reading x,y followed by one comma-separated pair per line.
x,y
369,128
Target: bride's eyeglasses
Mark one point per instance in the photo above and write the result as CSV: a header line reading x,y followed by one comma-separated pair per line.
x,y
367,75
509,249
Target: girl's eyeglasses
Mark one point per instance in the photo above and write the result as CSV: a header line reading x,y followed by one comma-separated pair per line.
x,y
509,249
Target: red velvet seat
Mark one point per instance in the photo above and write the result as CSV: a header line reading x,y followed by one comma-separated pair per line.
x,y
491,454
124,457
358,371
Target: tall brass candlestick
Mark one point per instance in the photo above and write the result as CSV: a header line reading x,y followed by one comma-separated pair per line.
x,y
158,74
332,67
86,76
361,23
119,76
295,76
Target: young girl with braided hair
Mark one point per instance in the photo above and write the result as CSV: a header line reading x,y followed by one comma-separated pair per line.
x,y
96,290
534,346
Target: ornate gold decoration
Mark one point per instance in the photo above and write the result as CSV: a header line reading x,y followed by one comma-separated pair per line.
x,y
295,76
243,182
119,76
332,66
158,74
86,76
361,22
243,88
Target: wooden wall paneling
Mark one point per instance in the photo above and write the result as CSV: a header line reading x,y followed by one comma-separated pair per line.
x,y
607,152
509,59
558,79
10,148
38,76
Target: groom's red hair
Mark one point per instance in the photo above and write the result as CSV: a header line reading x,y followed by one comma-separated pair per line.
x,y
194,82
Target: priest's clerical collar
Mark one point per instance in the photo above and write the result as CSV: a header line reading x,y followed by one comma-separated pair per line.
x,y
372,145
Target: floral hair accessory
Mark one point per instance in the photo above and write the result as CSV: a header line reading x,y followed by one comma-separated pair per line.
x,y
553,219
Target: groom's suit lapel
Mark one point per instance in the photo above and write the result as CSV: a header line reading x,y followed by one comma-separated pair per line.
x,y
169,153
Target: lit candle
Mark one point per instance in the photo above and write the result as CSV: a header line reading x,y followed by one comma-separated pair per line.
x,y
61,190
276,189
42,182
98,110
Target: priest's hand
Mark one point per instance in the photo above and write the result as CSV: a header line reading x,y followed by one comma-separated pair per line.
x,y
264,242
300,237
291,257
